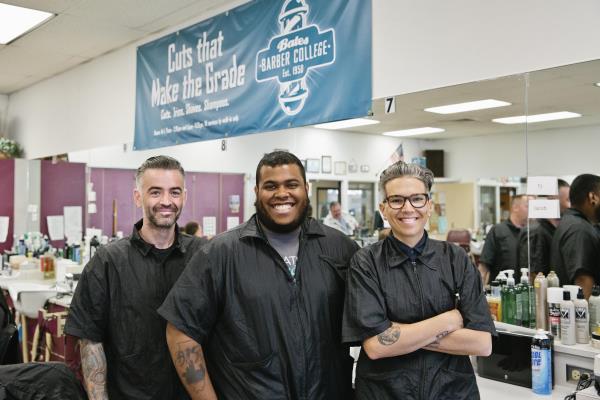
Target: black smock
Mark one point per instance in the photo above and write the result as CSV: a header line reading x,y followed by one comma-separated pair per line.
x,y
384,285
575,248
266,335
500,249
538,248
115,303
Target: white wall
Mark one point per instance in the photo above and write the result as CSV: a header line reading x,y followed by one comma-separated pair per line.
x,y
559,152
243,154
417,45
3,114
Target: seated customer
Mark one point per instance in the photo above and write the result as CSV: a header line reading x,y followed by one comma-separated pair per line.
x,y
415,304
339,220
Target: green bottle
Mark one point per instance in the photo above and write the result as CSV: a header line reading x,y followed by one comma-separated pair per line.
x,y
524,297
510,297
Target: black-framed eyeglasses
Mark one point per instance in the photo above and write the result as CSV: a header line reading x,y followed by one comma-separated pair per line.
x,y
418,200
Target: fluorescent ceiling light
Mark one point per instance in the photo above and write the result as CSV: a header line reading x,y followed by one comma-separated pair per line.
x,y
522,119
16,21
597,84
347,123
468,106
414,132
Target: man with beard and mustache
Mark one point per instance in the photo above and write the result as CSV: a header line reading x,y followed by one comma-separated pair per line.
x,y
575,244
113,311
257,312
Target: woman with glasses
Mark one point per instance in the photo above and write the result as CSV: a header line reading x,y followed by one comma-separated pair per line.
x,y
414,303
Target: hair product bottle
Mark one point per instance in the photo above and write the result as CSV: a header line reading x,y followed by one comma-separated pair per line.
x,y
567,320
582,322
541,285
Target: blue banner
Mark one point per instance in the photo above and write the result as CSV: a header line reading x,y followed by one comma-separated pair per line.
x,y
263,66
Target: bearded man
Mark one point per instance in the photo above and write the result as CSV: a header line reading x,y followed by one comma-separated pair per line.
x,y
257,313
113,311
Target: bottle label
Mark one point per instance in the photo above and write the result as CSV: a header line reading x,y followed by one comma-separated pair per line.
x,y
541,372
565,314
580,313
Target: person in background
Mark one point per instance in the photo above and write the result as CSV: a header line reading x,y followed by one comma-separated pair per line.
x,y
575,245
257,313
124,354
415,304
500,247
339,220
195,229
537,259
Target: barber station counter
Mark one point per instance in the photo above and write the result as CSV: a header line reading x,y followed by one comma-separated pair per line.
x,y
494,390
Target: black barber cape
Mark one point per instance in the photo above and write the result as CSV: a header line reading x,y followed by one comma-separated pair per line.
x,y
267,335
575,248
384,285
115,303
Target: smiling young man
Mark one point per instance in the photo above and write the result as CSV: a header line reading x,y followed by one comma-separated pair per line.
x,y
257,313
113,312
415,304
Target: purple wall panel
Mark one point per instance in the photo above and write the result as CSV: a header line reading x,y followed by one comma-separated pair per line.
x,y
62,184
7,199
231,185
187,214
114,184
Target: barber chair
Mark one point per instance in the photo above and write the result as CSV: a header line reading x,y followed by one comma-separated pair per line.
x,y
461,237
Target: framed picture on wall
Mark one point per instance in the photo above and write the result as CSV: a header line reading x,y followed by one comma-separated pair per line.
x,y
326,164
313,165
339,168
352,167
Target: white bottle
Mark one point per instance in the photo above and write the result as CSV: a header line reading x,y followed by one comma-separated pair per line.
x,y
582,321
567,320
594,308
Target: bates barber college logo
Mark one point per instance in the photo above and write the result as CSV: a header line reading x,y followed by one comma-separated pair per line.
x,y
290,55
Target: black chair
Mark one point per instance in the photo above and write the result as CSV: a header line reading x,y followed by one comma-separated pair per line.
x,y
9,335
39,381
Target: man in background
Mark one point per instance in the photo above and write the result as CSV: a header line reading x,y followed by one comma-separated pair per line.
x,y
535,253
500,247
113,312
339,220
575,244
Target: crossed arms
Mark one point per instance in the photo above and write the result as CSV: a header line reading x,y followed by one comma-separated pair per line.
x,y
443,333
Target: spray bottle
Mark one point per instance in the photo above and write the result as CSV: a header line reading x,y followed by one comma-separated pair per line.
x,y
594,308
553,280
541,286
582,322
541,363
567,320
555,296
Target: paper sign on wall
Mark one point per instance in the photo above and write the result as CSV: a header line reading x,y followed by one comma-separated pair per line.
x,y
209,225
56,227
544,208
4,221
73,224
542,185
232,222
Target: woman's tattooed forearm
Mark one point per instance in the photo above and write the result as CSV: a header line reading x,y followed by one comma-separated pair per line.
x,y
438,338
390,336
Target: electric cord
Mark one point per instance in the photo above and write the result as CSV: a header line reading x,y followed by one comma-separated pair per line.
x,y
585,381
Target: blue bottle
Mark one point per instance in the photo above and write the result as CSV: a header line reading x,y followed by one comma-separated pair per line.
x,y
541,363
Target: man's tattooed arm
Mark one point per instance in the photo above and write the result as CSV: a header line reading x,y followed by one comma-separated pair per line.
x,y
93,366
189,362
389,336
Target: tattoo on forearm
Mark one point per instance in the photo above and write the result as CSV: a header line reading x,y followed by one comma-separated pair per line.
x,y
390,336
438,338
93,367
189,361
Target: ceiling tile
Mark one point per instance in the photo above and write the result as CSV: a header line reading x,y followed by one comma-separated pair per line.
x,y
54,6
